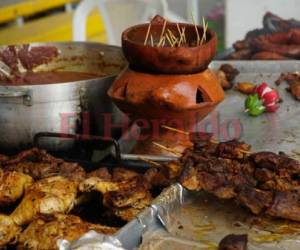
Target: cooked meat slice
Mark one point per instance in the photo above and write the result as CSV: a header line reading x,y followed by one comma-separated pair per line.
x,y
32,155
241,44
294,89
243,54
288,77
246,88
263,175
102,186
43,233
138,198
9,231
122,174
189,178
101,173
43,170
267,55
285,205
256,200
233,150
229,71
46,197
276,162
127,213
38,164
158,177
12,186
234,242
225,84
200,137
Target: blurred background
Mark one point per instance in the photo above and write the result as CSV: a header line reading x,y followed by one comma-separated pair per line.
x,y
24,21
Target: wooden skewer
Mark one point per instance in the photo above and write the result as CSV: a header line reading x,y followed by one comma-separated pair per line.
x,y
153,163
187,133
175,130
171,150
147,35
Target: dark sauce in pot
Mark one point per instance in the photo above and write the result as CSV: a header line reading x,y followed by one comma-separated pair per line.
x,y
34,78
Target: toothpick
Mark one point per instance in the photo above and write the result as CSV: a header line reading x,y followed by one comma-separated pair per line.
x,y
205,26
162,32
171,150
182,37
147,35
174,39
197,32
175,130
169,40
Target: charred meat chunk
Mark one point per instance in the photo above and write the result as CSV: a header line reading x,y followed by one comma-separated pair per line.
x,y
234,242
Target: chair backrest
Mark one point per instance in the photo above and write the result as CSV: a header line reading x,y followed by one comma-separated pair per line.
x,y
118,15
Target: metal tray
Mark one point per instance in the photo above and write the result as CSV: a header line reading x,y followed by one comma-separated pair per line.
x,y
179,219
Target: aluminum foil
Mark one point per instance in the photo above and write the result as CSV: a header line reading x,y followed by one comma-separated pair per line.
x,y
197,220
91,241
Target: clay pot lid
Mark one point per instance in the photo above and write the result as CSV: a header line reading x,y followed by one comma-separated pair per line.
x,y
167,59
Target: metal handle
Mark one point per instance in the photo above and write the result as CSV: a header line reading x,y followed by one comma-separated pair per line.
x,y
18,93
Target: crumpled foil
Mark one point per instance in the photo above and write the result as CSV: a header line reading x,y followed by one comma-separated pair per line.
x,y
91,241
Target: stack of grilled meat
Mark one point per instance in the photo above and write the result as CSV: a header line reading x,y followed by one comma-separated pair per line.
x,y
279,39
38,192
264,182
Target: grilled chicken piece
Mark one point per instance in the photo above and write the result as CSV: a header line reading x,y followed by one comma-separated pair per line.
x,y
9,231
125,198
12,186
122,174
101,173
43,234
38,164
47,196
234,242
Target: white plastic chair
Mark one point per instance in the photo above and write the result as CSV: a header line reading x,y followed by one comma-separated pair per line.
x,y
113,11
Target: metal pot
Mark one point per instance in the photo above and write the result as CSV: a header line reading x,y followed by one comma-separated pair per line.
x,y
27,110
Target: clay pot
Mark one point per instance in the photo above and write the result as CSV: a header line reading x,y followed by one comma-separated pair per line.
x,y
166,97
167,60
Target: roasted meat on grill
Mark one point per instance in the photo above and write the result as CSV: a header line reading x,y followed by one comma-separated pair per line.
x,y
12,186
278,40
126,194
38,164
43,233
263,182
46,196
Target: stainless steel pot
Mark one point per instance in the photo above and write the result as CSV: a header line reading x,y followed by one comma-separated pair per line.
x,y
27,110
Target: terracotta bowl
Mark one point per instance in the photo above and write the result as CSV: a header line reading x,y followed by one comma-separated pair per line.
x,y
187,98
167,59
